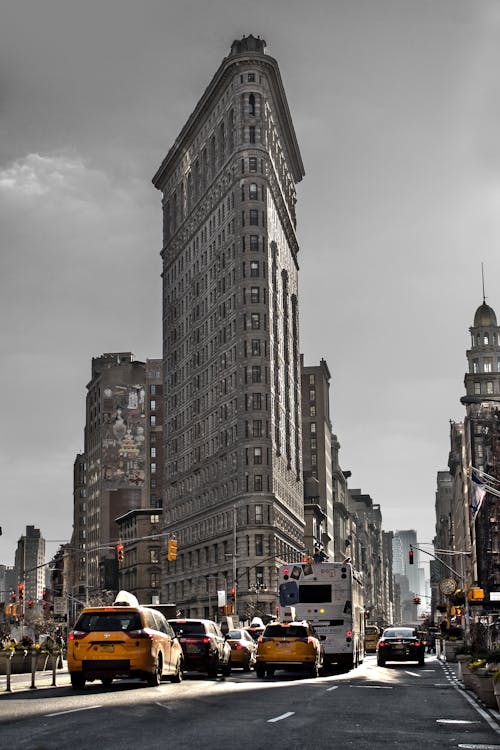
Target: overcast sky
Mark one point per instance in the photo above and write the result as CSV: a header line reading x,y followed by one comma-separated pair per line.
x,y
396,105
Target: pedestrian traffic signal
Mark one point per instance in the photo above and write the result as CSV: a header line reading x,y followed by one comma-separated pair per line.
x,y
20,591
120,553
13,596
233,594
417,600
410,556
172,549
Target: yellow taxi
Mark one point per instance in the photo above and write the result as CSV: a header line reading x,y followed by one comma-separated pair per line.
x,y
243,649
124,640
291,646
372,634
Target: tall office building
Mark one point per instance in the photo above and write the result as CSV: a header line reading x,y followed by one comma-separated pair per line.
x,y
317,445
110,477
233,470
482,438
30,564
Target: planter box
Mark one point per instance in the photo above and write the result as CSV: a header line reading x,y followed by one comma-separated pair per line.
x,y
451,648
496,690
21,664
484,689
467,676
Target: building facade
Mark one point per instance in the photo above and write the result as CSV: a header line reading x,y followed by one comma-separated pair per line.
x,y
231,366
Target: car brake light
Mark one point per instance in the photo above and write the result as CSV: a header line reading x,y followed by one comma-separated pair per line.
x,y
238,646
140,634
205,639
76,635
417,643
381,643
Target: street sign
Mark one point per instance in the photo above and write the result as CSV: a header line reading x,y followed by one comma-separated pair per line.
x,y
59,605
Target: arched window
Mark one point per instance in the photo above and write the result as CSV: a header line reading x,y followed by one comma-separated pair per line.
x,y
486,339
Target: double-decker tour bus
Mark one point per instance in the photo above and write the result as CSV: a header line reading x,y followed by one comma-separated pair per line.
x,y
330,596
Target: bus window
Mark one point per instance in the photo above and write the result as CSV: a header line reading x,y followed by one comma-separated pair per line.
x,y
315,592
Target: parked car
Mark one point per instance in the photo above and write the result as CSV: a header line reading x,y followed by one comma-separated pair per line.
x,y
372,634
291,646
204,647
400,644
243,649
123,641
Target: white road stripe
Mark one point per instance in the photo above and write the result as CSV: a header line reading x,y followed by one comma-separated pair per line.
x,y
73,711
283,716
373,687
455,721
332,688
413,674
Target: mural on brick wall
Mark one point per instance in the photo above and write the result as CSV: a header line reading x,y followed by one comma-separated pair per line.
x,y
124,435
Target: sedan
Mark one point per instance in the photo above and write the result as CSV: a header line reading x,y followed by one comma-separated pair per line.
x,y
400,644
243,649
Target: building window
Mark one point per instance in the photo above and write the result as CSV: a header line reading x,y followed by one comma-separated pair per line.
x,y
259,576
257,401
154,556
475,365
254,217
312,394
152,420
252,164
256,374
312,379
477,389
255,321
489,387
488,365
152,404
259,514
486,339
314,459
251,78
153,468
153,451
253,191
251,134
154,518
313,443
313,428
312,411
257,455
254,294
152,390
259,545
254,268
255,347
254,242
154,581
257,483
257,428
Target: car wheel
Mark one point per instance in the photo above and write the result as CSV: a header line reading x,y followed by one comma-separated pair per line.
x,y
260,671
270,671
226,669
77,681
179,672
106,681
380,662
154,678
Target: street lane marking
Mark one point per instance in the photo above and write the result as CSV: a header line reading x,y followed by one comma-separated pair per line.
x,y
414,674
373,687
332,688
73,711
484,714
480,747
283,716
455,721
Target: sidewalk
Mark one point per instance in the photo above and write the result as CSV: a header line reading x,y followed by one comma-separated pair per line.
x,y
453,672
40,679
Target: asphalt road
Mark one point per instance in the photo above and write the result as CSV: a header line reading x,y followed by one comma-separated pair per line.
x,y
399,706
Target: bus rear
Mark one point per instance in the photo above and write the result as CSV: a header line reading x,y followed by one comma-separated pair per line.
x,y
330,596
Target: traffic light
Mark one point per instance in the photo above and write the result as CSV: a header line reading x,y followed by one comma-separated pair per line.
x,y
13,596
410,556
172,549
120,553
233,595
20,591
31,604
417,600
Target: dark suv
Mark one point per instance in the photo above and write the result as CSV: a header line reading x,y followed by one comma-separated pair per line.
x,y
205,648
